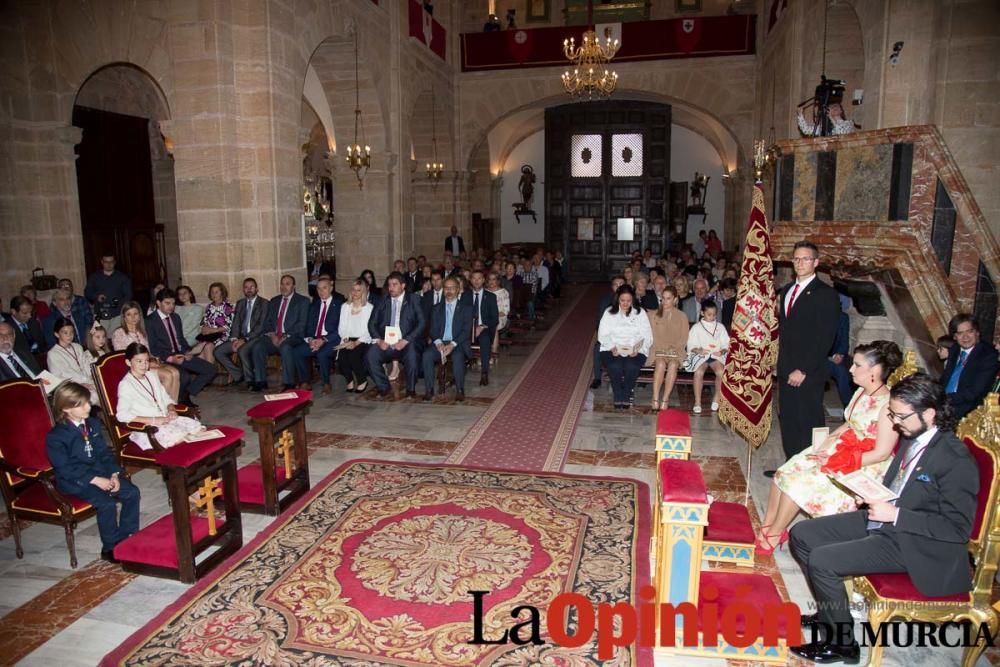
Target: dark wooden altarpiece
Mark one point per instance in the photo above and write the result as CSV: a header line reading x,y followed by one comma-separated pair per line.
x,y
606,198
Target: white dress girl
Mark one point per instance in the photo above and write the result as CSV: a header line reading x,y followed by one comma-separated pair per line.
x,y
709,336
145,397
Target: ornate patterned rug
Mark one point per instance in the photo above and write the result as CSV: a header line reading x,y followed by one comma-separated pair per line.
x,y
530,424
374,567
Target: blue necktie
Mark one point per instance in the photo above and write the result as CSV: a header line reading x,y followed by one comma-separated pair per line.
x,y
956,374
449,315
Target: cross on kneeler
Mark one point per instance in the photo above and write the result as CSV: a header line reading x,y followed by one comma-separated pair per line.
x,y
209,490
284,447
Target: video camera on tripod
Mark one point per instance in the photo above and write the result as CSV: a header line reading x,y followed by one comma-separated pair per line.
x,y
107,309
829,92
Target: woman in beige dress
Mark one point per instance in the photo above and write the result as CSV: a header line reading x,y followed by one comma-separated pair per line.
x,y
133,330
670,334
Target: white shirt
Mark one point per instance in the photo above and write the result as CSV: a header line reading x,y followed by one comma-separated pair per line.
x,y
619,330
543,275
70,364
355,326
704,334
802,288
438,293
454,245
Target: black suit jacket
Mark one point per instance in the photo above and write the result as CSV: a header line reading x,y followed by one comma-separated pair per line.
x,y
65,447
296,312
937,507
414,282
258,316
977,377
26,359
159,338
488,308
806,335
427,304
411,318
728,310
325,268
649,301
447,244
332,319
21,343
461,324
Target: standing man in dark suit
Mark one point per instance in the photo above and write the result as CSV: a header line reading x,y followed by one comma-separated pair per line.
x,y
247,327
284,330
321,335
28,330
167,343
808,311
13,364
485,320
840,354
402,310
454,243
414,276
451,335
924,532
316,268
971,368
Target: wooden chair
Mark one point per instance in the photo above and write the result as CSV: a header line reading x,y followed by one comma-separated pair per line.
x,y
108,372
893,596
28,481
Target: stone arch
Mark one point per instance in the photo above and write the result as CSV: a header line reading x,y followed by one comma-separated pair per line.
x,y
147,256
428,204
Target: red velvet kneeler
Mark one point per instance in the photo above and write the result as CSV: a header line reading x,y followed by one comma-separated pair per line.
x,y
170,545
280,478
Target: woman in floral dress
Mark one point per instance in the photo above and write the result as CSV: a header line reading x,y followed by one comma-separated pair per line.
x,y
215,324
865,440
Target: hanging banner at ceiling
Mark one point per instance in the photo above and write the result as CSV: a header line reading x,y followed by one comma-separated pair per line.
x,y
701,37
424,28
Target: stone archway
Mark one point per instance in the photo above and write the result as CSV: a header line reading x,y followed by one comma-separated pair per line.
x,y
125,175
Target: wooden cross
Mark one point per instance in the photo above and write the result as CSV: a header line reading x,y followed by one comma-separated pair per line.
x,y
206,492
285,444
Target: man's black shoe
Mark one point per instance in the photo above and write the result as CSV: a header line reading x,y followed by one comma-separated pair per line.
x,y
769,473
109,555
596,384
191,404
809,619
428,397
484,380
460,396
824,652
410,393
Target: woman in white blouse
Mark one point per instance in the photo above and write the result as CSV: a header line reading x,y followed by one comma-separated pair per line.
x,y
503,305
142,399
133,330
624,336
708,342
68,360
354,337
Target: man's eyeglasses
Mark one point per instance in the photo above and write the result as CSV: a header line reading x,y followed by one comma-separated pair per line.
x,y
900,418
796,260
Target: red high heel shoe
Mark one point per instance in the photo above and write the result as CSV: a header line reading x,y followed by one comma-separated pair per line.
x,y
763,546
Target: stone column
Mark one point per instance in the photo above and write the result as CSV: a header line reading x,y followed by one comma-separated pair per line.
x,y
364,226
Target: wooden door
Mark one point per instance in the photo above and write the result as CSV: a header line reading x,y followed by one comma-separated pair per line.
x,y
606,162
678,214
115,182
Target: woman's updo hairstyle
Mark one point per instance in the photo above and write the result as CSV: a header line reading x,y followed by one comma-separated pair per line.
x,y
882,353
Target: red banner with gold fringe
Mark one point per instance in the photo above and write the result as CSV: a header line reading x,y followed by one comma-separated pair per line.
x,y
747,385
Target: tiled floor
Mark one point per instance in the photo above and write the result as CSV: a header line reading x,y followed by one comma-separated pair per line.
x,y
52,615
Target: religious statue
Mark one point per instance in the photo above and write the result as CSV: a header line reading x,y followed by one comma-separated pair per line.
x,y
527,186
699,186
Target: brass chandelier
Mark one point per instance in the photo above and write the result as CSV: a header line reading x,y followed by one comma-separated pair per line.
x,y
358,159
434,168
590,77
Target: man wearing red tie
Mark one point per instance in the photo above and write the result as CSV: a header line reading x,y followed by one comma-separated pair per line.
x,y
284,330
807,324
321,335
167,343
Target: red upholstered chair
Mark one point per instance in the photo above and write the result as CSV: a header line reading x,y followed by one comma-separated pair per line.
x,y
894,595
28,482
108,371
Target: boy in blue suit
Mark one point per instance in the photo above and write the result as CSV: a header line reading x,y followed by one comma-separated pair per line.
x,y
321,334
86,468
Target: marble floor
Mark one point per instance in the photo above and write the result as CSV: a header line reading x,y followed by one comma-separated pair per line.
x,y
53,615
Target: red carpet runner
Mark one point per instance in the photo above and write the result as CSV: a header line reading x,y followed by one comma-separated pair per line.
x,y
530,425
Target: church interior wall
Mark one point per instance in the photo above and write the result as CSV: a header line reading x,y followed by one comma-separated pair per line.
x,y
530,151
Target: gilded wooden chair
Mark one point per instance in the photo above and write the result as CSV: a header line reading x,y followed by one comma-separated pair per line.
x,y
893,596
28,481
